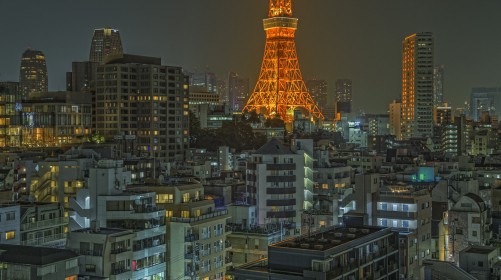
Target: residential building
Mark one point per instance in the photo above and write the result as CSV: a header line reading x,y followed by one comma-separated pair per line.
x,y
106,204
482,262
417,85
468,224
37,263
105,42
275,184
33,224
196,230
438,85
395,121
137,96
33,74
105,252
407,209
358,252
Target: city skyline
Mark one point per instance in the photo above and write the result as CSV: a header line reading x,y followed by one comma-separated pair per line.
x,y
360,37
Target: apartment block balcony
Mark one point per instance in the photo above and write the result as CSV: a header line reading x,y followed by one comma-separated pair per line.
x,y
213,215
281,214
281,202
191,238
278,179
44,240
291,190
44,224
281,166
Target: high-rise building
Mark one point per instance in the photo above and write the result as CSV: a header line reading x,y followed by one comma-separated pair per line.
x,y
105,42
438,85
205,80
318,90
33,74
222,90
138,97
238,91
395,113
485,100
10,118
344,90
82,77
417,85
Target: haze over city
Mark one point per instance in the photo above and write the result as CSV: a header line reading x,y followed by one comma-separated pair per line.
x,y
360,40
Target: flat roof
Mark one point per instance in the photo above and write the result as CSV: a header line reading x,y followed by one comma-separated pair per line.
x,y
33,255
479,249
330,238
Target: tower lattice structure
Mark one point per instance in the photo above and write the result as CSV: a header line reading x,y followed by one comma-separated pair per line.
x,y
280,88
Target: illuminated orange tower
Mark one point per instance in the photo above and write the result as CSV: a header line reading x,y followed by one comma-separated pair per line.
x,y
280,88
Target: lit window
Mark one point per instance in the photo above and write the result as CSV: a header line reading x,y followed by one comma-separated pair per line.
x,y
185,214
10,235
168,214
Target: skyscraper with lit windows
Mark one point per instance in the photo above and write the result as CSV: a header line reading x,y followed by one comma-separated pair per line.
x,y
417,85
33,73
105,42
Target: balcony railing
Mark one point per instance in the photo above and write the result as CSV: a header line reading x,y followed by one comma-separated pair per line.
x,y
44,223
191,238
43,240
119,271
199,218
280,202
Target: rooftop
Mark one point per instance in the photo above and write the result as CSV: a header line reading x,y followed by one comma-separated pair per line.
x,y
330,238
274,147
479,249
33,255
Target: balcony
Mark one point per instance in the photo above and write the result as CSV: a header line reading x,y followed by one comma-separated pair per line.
x,y
281,214
278,179
43,240
44,224
212,215
397,215
279,166
119,271
94,253
281,202
227,245
281,190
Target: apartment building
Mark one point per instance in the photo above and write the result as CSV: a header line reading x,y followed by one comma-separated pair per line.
x,y
196,230
359,252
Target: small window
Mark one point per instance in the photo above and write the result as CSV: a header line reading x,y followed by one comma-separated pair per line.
x,y
480,264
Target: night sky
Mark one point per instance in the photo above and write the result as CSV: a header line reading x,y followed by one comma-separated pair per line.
x,y
357,39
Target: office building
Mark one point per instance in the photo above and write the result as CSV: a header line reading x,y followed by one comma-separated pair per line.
x,y
483,99
33,73
438,85
82,77
318,90
138,97
344,98
358,252
207,81
37,263
10,119
56,118
417,85
238,91
105,42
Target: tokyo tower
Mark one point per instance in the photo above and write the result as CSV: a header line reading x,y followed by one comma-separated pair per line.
x,y
280,88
